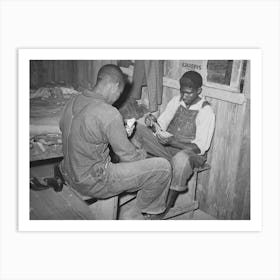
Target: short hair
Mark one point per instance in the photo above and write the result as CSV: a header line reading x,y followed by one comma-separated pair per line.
x,y
191,79
111,72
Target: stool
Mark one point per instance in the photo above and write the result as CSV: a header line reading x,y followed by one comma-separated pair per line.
x,y
102,209
193,203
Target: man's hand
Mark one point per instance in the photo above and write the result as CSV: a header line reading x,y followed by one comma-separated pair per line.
x,y
130,126
164,137
161,140
129,130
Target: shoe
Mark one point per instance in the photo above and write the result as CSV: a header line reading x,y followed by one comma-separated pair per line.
x,y
54,183
35,185
58,175
133,213
171,198
57,182
154,216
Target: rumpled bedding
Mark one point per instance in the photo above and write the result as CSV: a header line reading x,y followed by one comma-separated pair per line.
x,y
46,106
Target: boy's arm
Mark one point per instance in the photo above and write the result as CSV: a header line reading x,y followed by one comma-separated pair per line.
x,y
204,129
178,143
173,142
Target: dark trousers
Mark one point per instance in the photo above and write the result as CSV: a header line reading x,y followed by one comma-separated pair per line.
x,y
182,161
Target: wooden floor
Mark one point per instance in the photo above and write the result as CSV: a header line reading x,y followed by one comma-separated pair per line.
x,y
198,214
51,205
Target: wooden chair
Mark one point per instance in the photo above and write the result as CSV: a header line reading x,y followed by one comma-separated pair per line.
x,y
186,202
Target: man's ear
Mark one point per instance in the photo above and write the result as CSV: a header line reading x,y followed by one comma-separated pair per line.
x,y
115,86
199,90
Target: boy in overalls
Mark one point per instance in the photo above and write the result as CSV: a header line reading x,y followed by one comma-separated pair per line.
x,y
182,134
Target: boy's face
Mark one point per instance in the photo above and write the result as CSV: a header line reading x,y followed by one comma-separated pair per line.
x,y
188,94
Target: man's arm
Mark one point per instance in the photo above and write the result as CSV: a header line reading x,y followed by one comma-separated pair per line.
x,y
117,137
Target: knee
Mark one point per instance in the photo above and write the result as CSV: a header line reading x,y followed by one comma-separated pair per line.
x,y
163,167
181,158
164,163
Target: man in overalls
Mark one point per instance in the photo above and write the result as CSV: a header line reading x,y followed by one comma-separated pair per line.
x,y
182,134
89,124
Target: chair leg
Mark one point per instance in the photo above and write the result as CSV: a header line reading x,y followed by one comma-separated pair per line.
x,y
115,207
192,189
193,185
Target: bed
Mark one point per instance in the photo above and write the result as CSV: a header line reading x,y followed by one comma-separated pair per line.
x,y
46,106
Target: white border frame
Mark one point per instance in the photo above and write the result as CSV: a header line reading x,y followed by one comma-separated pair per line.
x,y
25,55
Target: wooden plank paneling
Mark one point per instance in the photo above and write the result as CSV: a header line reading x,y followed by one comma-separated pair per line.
x,y
242,198
81,73
219,188
44,72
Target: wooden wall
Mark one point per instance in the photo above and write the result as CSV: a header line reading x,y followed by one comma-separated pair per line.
x,y
85,71
224,191
78,73
43,72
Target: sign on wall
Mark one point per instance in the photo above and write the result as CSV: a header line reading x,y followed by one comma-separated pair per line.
x,y
199,66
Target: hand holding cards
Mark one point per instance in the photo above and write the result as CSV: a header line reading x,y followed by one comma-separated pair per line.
x,y
162,135
129,126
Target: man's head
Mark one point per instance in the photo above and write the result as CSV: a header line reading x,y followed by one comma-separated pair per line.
x,y
190,86
111,81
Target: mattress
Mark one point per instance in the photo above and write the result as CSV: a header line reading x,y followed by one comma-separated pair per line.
x,y
46,106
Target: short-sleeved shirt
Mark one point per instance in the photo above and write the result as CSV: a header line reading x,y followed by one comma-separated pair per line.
x,y
89,125
205,121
